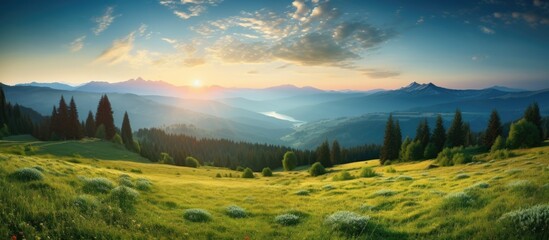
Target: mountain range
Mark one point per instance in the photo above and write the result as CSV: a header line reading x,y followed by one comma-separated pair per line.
x,y
352,117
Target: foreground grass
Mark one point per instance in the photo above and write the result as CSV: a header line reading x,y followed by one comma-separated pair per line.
x,y
460,202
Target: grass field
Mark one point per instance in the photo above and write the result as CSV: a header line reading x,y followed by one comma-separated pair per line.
x,y
405,201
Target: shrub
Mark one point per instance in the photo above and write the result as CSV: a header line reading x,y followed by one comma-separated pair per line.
x,y
328,187
453,156
165,158
136,170
240,169
97,185
343,176
317,169
499,144
191,162
457,200
86,203
27,175
143,184
116,139
125,180
404,178
236,212
368,172
125,197
302,193
39,168
197,215
523,134
501,154
385,192
218,175
430,151
289,162
533,220
346,222
390,170
413,151
248,173
267,172
461,176
287,219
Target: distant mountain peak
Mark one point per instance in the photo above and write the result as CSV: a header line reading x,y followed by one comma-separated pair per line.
x,y
414,86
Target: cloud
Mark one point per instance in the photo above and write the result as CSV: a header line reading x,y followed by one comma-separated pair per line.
x,y
77,44
193,62
314,49
378,74
142,29
186,9
118,52
487,30
301,10
478,58
231,50
104,21
252,72
420,20
169,40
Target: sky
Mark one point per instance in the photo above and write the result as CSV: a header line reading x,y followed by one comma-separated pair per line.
x,y
328,44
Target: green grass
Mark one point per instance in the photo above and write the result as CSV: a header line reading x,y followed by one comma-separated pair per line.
x,y
432,205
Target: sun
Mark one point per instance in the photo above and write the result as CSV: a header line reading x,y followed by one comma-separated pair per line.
x,y
197,83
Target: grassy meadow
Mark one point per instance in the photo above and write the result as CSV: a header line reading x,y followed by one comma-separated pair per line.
x,y
76,195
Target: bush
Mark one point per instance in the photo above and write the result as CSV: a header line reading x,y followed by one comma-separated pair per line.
x,y
267,172
39,168
191,162
453,156
385,192
218,175
116,139
317,169
287,219
240,169
86,203
143,184
165,158
461,176
343,176
530,221
499,144
368,172
197,215
457,200
125,197
328,187
302,193
346,222
97,185
390,170
430,151
27,175
236,212
501,154
523,134
413,151
404,178
125,180
289,162
248,173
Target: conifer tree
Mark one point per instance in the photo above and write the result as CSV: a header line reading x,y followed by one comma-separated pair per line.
x,y
126,131
493,130
62,119
90,125
397,140
439,135
533,115
3,113
323,154
456,135
335,153
73,127
392,141
104,116
423,134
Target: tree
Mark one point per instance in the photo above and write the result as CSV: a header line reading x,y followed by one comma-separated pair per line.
x,y
397,140
73,128
192,162
430,151
248,173
403,147
289,162
532,115
104,116
317,169
439,135
499,144
493,130
90,125
100,132
523,134
62,119
423,134
323,154
3,105
267,172
392,141
456,136
335,155
126,132
413,151
166,158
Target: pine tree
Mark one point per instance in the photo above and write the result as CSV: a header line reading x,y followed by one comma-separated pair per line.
x,y
532,115
439,135
104,116
397,140
323,154
456,136
54,124
3,113
493,130
403,148
62,119
126,132
335,153
423,134
90,125
73,127
392,141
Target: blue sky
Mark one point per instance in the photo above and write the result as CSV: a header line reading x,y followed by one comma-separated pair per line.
x,y
332,44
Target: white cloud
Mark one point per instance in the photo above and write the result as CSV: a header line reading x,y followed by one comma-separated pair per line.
x,y
77,44
104,21
186,9
487,30
142,29
420,20
118,52
169,40
301,10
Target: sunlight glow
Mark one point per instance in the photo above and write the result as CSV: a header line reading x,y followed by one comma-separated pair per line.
x,y
197,83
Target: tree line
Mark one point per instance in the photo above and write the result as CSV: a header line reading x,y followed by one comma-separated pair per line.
x,y
526,132
12,119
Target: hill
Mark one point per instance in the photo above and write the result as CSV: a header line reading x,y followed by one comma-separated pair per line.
x,y
405,201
